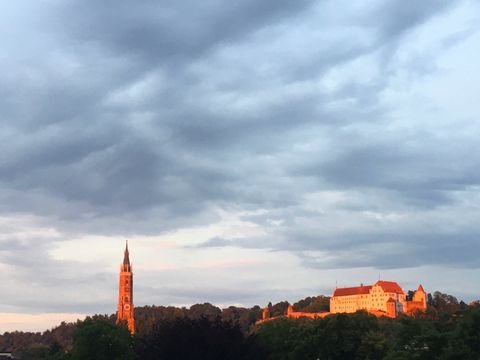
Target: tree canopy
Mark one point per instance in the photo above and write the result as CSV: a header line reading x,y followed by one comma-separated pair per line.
x,y
449,330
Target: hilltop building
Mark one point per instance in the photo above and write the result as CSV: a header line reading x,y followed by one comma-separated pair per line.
x,y
125,293
418,302
383,298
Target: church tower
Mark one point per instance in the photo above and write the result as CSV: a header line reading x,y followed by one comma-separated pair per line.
x,y
125,294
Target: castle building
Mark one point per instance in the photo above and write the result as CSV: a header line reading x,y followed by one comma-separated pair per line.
x,y
419,301
125,293
382,298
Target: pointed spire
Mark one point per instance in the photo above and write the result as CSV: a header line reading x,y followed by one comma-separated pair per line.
x,y
420,288
126,257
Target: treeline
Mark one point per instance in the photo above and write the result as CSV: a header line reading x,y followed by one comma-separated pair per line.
x,y
448,330
19,341
360,336
146,317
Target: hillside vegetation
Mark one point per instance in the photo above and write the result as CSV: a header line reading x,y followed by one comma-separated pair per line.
x,y
448,330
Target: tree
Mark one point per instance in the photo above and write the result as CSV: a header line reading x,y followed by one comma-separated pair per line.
x,y
99,339
334,337
279,309
444,302
206,310
193,339
34,352
43,352
313,304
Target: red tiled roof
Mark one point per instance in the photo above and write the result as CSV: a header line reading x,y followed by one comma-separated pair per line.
x,y
390,286
357,290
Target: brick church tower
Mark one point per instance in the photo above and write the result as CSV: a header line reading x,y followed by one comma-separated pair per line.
x,y
125,294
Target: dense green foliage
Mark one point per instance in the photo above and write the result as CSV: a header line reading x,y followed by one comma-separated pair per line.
x,y
194,339
96,338
18,341
147,317
313,304
99,339
449,330
360,336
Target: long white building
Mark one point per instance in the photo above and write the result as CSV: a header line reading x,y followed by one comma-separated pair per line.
x,y
382,297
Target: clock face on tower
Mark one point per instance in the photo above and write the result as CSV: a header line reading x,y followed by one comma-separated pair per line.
x,y
126,307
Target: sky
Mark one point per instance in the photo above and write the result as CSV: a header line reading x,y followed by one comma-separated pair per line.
x,y
249,151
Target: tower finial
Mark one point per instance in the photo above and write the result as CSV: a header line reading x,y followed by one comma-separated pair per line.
x,y
126,256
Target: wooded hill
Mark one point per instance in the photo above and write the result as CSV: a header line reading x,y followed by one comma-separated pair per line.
x,y
447,329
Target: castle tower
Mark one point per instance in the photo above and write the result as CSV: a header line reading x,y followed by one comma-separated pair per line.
x,y
289,310
266,313
125,293
420,296
391,308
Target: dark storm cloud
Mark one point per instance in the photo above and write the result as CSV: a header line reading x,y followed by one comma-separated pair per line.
x,y
172,31
86,165
393,248
417,250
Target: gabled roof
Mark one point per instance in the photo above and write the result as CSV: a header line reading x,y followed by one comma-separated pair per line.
x,y
357,290
390,286
420,288
390,300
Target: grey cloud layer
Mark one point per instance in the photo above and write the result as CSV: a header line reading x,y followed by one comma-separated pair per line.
x,y
142,118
